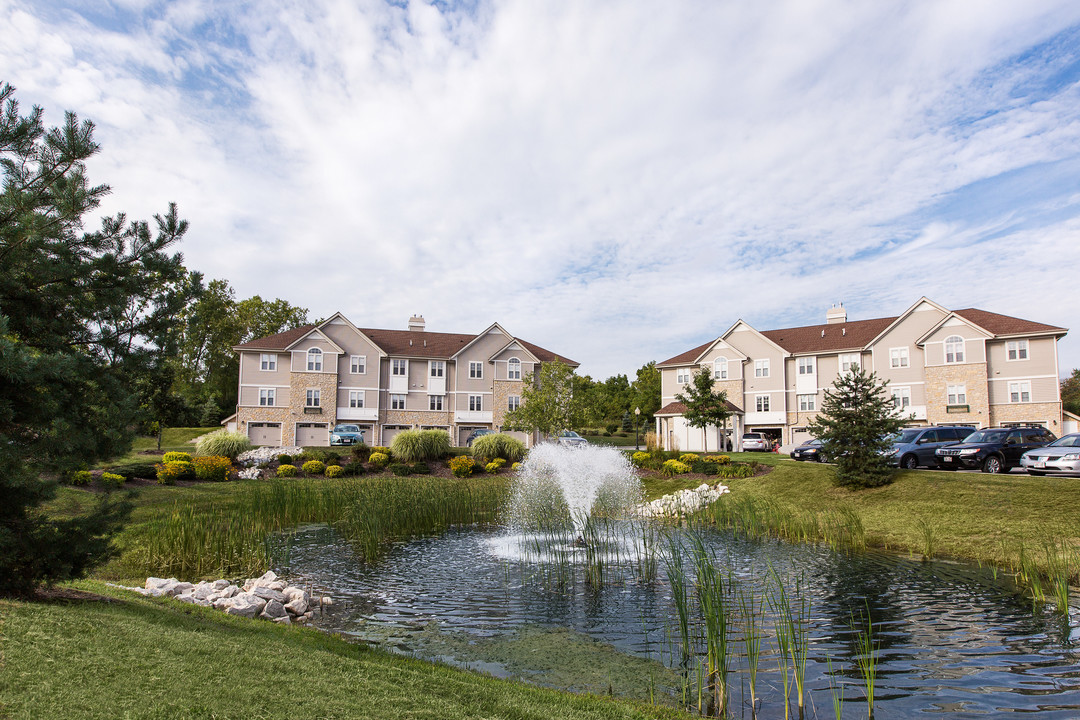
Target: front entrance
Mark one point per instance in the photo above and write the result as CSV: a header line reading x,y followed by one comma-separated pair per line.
x,y
312,434
267,434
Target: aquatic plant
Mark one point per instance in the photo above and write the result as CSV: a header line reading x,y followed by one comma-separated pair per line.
x,y
866,658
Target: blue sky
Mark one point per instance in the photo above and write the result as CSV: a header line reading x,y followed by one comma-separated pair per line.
x,y
616,181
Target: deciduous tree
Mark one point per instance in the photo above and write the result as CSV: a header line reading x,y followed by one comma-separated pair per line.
x,y
705,406
548,405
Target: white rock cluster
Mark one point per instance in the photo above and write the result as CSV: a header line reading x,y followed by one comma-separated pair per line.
x,y
264,597
683,502
251,473
263,455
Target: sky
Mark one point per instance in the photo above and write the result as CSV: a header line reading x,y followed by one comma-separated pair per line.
x,y
616,181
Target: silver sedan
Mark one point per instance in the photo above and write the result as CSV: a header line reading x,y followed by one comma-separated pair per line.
x,y
1061,457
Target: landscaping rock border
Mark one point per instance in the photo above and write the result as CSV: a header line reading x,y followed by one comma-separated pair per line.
x,y
683,502
263,455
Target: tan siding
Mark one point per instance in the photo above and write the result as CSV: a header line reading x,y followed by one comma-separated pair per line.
x,y
1042,358
299,354
252,374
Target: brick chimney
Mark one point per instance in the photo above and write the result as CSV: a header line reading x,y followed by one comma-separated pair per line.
x,y
416,323
836,315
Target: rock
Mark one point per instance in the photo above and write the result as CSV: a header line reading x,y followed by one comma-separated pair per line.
x,y
246,605
273,610
267,594
185,599
297,606
284,620
277,585
293,592
220,585
182,588
203,591
222,603
155,583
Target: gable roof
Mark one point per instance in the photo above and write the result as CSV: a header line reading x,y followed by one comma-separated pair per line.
x,y
1005,324
834,337
687,357
280,341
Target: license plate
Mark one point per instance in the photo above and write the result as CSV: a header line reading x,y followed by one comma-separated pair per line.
x,y
1040,464
948,459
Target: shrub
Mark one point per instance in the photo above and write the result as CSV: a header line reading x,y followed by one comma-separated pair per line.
x,y
284,459
286,470
421,468
314,467
214,469
416,445
168,473
735,470
718,459
176,457
462,465
307,455
610,428
354,468
499,445
80,477
140,470
639,458
492,467
361,452
334,471
704,467
400,469
516,466
607,433
112,480
379,460
687,458
674,467
380,449
222,444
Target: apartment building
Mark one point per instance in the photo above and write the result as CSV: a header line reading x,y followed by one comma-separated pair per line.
x,y
296,385
943,366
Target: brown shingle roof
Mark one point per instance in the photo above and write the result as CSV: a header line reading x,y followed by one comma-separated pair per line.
x,y
678,408
1005,324
687,357
546,355
276,342
833,337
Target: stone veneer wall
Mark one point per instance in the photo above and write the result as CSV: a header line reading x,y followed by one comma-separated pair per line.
x,y
734,389
282,415
798,419
299,383
973,377
417,418
502,391
1048,413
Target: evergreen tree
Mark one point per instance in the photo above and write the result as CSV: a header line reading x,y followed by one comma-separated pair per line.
x,y
705,406
79,313
856,421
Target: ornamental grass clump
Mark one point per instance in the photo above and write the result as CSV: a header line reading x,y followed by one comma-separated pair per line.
x,y
222,444
420,445
499,445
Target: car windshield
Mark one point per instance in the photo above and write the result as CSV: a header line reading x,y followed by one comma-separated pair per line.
x,y
906,436
986,436
1067,441
815,442
347,428
570,434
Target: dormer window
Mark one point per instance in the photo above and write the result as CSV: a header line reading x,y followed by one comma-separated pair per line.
x,y
954,349
513,369
314,360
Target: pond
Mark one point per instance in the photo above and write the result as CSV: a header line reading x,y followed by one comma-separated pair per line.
x,y
951,639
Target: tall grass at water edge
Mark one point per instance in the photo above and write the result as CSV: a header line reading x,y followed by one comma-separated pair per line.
x,y
757,518
233,538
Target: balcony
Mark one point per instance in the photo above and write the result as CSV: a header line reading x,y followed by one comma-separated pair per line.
x,y
774,417
351,413
473,416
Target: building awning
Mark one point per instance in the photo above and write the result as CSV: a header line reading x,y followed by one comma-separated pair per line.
x,y
674,409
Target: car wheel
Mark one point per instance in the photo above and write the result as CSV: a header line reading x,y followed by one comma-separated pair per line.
x,y
992,465
909,462
821,458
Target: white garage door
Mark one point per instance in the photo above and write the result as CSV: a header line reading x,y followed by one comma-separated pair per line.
x,y
312,434
265,434
389,431
800,435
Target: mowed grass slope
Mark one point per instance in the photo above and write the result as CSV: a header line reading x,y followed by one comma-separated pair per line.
x,y
126,656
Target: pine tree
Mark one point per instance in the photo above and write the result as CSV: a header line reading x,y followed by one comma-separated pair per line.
x,y
856,421
705,406
79,312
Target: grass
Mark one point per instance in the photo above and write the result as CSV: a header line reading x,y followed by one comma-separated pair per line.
x,y
178,439
121,655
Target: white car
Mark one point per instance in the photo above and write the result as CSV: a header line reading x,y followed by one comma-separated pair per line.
x,y
755,441
569,438
1059,457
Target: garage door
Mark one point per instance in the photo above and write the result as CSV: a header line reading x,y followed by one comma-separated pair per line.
x,y
312,434
800,435
389,431
265,434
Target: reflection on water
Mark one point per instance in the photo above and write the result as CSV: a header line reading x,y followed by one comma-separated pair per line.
x,y
953,639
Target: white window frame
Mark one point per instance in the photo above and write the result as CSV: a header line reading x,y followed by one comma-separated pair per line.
x,y
267,397
682,376
397,401
806,365
1020,392
762,403
850,360
399,367
956,395
314,359
899,357
313,397
807,403
358,364
954,349
356,398
1016,350
720,368
901,397
513,402
476,370
761,368
435,402
511,372
436,368
268,362
476,403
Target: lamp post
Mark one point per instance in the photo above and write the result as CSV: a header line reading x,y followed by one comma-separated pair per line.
x,y
637,428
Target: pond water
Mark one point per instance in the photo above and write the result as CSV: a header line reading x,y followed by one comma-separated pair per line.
x,y
954,640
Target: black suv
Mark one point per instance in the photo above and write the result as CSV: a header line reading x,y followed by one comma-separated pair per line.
x,y
993,450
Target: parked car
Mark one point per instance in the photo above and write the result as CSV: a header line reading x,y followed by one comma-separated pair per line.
x,y
570,438
915,446
1058,458
755,441
810,450
993,450
346,435
481,432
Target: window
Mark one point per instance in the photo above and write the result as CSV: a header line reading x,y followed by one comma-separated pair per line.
x,y
356,398
898,357
476,403
849,361
513,402
682,376
720,369
762,403
1017,350
437,368
954,349
476,369
314,360
513,369
957,395
399,367
397,402
435,402
312,399
267,361
266,396
807,403
1020,392
761,368
901,397
358,364
806,366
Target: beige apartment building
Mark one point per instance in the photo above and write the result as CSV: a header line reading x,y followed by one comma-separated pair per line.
x,y
943,366
296,385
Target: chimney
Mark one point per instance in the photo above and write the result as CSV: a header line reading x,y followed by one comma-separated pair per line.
x,y
836,314
416,323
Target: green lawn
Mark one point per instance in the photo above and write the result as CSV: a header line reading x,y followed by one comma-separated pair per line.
x,y
172,439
